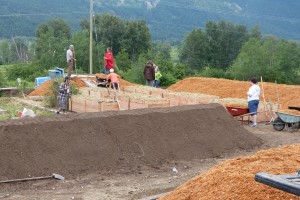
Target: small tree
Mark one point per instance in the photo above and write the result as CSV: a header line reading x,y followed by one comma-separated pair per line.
x,y
52,42
124,63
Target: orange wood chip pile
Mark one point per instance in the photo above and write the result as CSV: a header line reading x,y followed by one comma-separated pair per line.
x,y
288,95
78,82
234,179
236,105
290,111
43,89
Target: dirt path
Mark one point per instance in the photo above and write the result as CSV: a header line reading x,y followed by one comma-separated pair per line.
x,y
127,184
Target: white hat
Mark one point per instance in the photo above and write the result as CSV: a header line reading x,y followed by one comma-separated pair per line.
x,y
111,70
71,46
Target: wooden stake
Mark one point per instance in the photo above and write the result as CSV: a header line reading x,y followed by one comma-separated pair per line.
x,y
278,98
75,63
91,37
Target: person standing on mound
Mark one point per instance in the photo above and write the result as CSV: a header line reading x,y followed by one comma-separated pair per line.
x,y
70,59
109,62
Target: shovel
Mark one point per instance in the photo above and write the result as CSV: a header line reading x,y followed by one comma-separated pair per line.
x,y
55,176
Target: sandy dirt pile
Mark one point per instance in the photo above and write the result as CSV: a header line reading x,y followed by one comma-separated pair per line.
x,y
42,89
234,179
288,94
45,88
78,82
236,105
106,142
290,111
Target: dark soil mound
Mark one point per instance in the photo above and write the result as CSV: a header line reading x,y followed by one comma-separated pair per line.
x,y
105,142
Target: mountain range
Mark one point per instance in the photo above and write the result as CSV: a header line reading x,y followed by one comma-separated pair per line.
x,y
167,19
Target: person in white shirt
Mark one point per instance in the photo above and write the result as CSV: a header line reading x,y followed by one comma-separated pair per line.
x,y
70,59
253,99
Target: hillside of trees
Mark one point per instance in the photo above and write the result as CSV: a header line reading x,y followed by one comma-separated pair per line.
x,y
221,49
166,19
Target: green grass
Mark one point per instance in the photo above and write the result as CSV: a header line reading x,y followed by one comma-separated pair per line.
x,y
28,85
12,107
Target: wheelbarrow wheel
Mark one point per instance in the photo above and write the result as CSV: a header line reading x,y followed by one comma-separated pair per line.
x,y
278,124
293,127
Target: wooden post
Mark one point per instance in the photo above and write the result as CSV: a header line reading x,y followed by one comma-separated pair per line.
x,y
278,98
263,94
70,103
129,103
99,106
91,36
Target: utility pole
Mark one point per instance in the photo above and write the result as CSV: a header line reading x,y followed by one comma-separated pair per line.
x,y
91,36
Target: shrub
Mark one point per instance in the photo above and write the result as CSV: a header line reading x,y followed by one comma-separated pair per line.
x,y
3,79
212,73
51,98
25,71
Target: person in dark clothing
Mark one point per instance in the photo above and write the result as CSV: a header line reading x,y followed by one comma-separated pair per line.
x,y
149,73
64,95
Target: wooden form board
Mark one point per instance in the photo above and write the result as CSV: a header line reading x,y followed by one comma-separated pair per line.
x,y
143,98
81,105
139,103
146,90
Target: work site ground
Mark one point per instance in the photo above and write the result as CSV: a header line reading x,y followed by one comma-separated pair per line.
x,y
104,160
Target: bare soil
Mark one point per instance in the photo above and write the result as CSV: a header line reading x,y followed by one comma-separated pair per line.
x,y
128,155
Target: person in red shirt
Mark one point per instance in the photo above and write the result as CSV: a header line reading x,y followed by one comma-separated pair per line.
x,y
114,79
108,60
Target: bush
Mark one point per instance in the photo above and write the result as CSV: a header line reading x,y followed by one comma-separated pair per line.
x,y
25,71
135,74
51,98
3,79
212,73
167,80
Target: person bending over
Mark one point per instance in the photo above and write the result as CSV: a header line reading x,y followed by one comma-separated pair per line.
x,y
114,79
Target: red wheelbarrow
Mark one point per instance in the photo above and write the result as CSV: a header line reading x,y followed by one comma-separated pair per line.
x,y
239,112
235,111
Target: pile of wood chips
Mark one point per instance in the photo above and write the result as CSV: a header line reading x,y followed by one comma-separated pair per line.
x,y
286,95
78,82
234,179
290,111
43,89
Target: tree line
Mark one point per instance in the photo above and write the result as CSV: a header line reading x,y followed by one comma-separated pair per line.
x,y
221,50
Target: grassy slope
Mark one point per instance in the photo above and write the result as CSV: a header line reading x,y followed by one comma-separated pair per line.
x,y
12,107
